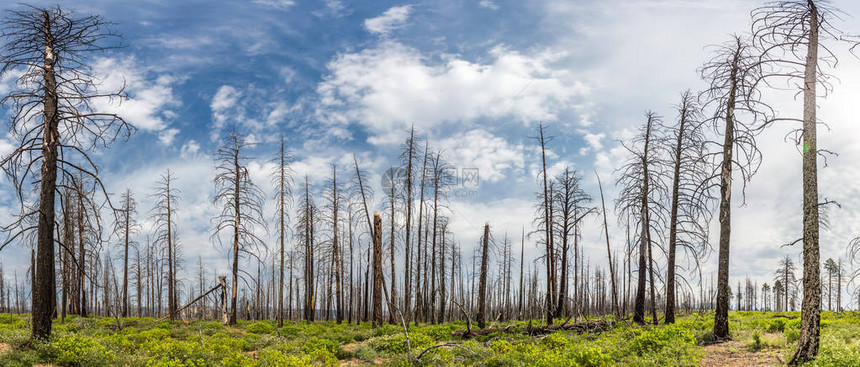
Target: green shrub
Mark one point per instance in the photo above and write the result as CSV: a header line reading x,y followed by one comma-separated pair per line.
x,y
212,325
555,341
590,357
501,346
82,351
289,331
655,339
272,358
260,328
776,325
791,335
757,343
365,353
152,334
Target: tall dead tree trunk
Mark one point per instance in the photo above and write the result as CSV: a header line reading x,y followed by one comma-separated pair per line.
x,y
377,270
482,283
810,313
615,308
547,229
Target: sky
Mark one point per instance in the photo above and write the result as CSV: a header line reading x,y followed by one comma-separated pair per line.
x,y
474,78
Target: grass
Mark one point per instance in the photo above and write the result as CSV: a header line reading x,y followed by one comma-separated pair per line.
x,y
148,342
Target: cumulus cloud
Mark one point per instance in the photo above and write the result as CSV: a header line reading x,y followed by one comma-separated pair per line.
x,y
151,97
389,87
493,156
392,19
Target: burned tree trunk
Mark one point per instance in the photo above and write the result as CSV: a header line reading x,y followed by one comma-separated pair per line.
x,y
377,270
482,283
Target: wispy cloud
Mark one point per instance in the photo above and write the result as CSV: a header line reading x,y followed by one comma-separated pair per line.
x,y
392,19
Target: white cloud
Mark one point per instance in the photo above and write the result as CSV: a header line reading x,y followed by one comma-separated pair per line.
x,y
189,149
392,86
392,19
224,100
595,141
166,136
489,4
279,4
150,96
493,156
333,9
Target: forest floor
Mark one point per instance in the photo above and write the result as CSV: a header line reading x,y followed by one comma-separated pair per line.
x,y
737,354
758,339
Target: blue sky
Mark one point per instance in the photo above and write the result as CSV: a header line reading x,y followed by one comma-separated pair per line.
x,y
474,78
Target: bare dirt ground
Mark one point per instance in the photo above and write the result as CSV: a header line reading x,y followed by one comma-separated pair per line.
x,y
737,354
4,348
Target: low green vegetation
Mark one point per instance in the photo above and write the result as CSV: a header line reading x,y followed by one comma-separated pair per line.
x,y
149,342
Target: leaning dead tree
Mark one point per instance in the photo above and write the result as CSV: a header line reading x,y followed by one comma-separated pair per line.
x,y
642,190
793,38
54,125
737,113
241,214
690,206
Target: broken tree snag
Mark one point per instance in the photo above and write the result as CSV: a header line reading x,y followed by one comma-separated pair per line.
x,y
377,270
225,319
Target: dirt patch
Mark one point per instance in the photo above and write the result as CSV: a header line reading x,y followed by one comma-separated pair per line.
x,y
4,348
736,354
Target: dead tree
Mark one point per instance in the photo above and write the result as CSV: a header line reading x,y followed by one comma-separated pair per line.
x,y
642,190
793,38
164,215
126,226
616,310
408,156
785,277
738,113
377,270
54,124
336,256
482,283
690,206
571,206
241,202
282,178
547,221
305,234
442,178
